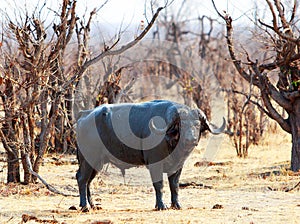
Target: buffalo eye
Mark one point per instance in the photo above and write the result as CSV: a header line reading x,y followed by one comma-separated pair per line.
x,y
197,124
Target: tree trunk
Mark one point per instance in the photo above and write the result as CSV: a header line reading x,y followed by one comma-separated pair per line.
x,y
26,149
69,131
10,145
295,126
45,136
13,167
58,133
27,174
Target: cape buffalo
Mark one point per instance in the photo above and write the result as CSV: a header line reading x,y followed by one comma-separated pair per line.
x,y
159,134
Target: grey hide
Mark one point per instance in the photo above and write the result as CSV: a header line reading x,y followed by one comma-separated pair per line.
x,y
159,134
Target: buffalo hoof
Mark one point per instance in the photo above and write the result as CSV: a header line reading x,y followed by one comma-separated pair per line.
x,y
161,206
85,209
176,206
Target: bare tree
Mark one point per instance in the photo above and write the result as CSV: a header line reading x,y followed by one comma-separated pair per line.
x,y
281,36
37,85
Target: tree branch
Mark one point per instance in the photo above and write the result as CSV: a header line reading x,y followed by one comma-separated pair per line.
x,y
278,97
267,90
277,63
275,26
284,123
110,52
260,80
71,22
293,11
281,14
215,7
103,4
287,32
291,95
236,62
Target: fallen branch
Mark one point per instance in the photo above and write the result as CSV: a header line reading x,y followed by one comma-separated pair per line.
x,y
193,184
48,186
292,188
285,189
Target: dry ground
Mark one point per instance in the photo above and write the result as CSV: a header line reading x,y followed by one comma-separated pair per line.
x,y
235,191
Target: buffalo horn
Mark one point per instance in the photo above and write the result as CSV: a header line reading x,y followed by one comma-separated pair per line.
x,y
156,130
217,131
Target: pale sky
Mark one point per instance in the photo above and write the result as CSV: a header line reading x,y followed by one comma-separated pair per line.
x,y
116,11
127,14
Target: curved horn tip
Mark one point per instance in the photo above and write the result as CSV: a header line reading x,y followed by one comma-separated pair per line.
x,y
156,130
219,130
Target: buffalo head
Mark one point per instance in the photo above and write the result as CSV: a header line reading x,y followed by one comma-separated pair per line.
x,y
185,124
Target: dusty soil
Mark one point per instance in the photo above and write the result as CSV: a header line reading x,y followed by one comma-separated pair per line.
x,y
226,190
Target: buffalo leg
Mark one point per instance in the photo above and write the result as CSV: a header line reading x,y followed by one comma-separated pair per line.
x,y
157,180
89,196
158,186
174,187
83,175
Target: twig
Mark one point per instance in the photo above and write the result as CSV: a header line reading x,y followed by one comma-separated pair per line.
x,y
103,4
215,7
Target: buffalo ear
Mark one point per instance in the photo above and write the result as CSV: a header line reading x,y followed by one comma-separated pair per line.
x,y
173,131
203,120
